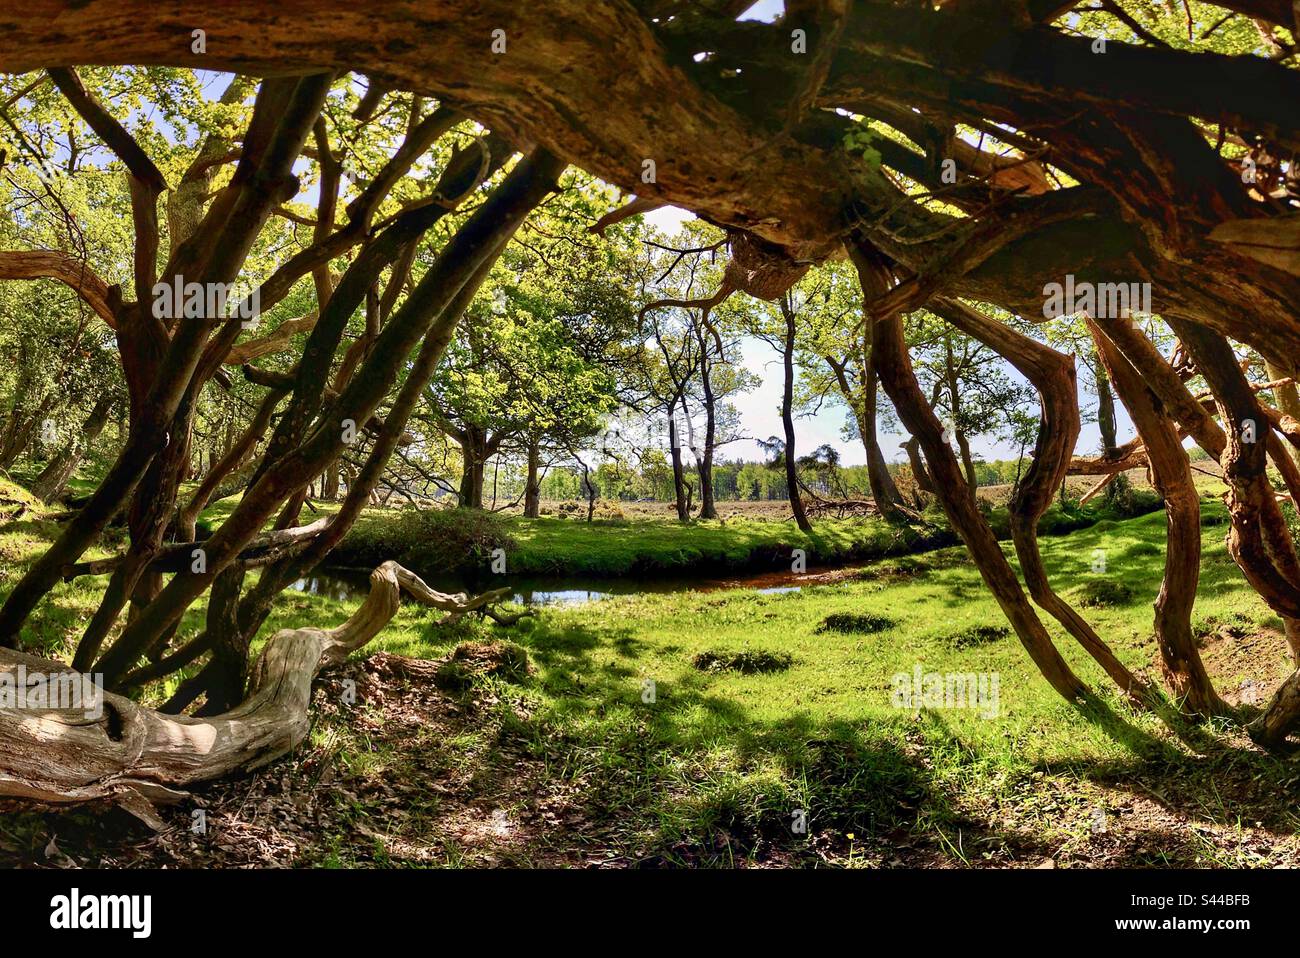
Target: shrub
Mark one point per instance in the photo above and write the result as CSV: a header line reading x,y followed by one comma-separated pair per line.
x,y
426,542
978,635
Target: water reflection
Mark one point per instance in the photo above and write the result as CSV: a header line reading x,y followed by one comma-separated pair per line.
x,y
353,584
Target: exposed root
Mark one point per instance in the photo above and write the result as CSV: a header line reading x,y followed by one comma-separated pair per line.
x,y
110,748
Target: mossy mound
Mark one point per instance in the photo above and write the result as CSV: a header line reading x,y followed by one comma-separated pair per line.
x,y
855,623
471,662
978,635
748,662
1104,593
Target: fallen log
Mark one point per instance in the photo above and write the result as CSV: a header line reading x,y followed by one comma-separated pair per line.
x,y
113,749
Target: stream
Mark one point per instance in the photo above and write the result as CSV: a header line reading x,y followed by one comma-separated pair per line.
x,y
342,584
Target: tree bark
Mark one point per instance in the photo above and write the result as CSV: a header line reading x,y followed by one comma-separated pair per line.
x,y
954,405
679,473
1105,408
533,483
1052,374
1287,397
708,510
1171,474
919,471
863,402
474,455
883,488
894,366
478,241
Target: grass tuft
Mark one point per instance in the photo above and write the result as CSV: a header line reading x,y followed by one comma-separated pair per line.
x,y
749,662
856,623
1105,594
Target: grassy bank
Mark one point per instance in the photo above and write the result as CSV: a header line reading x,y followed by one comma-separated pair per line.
x,y
432,542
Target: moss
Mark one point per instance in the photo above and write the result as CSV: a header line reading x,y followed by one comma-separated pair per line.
x,y
748,662
978,635
854,622
1105,593
471,662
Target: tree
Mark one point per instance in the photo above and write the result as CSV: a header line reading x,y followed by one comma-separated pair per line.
x,y
967,384
779,327
1202,213
842,343
544,362
171,348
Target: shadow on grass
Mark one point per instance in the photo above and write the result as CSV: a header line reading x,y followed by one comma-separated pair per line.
x,y
690,768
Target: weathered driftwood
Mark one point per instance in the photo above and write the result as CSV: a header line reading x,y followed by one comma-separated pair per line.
x,y
136,756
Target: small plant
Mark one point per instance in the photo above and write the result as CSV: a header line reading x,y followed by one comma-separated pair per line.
x,y
855,622
1143,549
474,661
902,568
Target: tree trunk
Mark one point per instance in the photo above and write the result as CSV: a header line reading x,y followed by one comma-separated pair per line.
x,y
967,462
1288,401
136,756
256,606
163,372
787,419
1052,374
330,483
708,510
473,449
679,473
883,488
471,250
18,434
922,475
533,484
894,366
1171,474
863,402
54,479
954,404
1105,408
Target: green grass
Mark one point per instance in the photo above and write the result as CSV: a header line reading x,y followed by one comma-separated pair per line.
x,y
439,541
723,751
443,541
669,755
743,751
